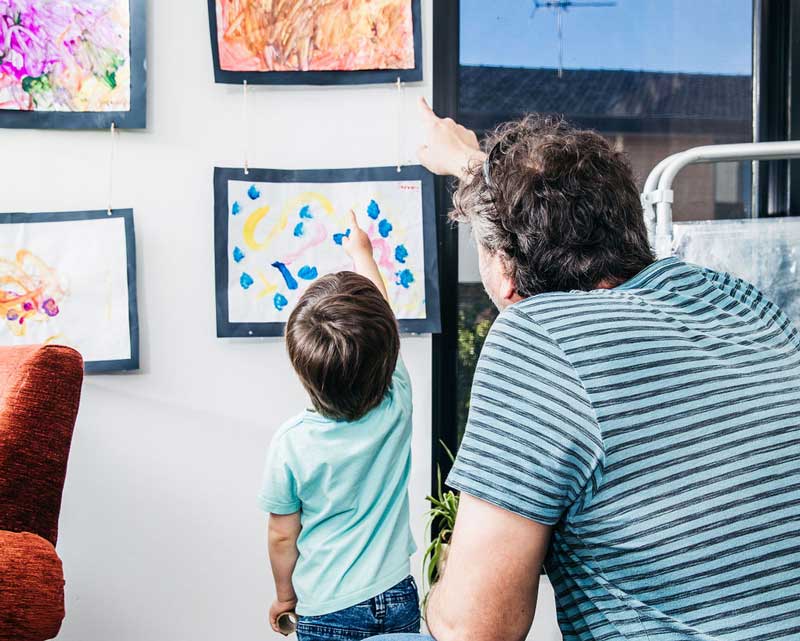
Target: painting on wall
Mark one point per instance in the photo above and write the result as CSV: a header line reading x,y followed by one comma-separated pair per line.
x,y
72,64
317,42
277,231
69,278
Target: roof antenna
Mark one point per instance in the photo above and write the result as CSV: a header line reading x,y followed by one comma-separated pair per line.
x,y
560,7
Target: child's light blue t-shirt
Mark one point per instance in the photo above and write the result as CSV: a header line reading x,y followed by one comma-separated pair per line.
x,y
350,482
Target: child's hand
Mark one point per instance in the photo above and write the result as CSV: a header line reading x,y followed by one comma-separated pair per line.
x,y
357,244
278,608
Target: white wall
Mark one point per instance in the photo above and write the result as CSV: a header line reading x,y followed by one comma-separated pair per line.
x,y
160,535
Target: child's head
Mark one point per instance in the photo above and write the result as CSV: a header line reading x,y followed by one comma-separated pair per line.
x,y
343,342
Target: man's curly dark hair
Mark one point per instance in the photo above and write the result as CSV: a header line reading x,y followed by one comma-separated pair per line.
x,y
561,206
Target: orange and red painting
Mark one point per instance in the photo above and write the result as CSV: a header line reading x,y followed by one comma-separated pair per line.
x,y
315,35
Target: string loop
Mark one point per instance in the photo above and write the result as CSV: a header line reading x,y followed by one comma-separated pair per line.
x,y
111,155
246,126
400,119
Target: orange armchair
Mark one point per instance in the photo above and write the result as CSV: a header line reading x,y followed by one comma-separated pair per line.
x,y
40,388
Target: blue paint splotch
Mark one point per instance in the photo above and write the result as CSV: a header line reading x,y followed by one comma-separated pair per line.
x,y
385,228
279,300
246,280
307,272
338,238
298,230
305,212
373,211
291,283
253,193
404,278
236,208
238,254
400,253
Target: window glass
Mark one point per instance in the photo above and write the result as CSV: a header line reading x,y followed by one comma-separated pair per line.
x,y
653,76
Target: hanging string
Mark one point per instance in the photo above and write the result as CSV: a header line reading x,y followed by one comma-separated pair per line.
x,y
401,91
111,167
246,126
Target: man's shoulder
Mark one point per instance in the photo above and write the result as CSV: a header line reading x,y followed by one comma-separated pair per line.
x,y
543,312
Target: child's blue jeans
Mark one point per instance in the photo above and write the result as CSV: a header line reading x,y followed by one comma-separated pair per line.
x,y
396,610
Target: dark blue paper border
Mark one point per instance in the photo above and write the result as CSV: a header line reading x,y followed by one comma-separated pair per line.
x,y
225,328
95,367
135,118
374,76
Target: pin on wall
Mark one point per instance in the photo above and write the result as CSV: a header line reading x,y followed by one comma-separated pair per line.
x,y
111,154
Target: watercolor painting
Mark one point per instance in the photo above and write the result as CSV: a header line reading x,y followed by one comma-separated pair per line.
x,y
278,231
70,63
316,41
70,278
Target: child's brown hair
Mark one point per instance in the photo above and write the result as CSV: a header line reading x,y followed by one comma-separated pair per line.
x,y
343,342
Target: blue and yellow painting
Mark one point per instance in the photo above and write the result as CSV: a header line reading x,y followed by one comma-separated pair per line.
x,y
283,236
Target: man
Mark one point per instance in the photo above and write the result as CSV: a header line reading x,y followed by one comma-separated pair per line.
x,y
634,424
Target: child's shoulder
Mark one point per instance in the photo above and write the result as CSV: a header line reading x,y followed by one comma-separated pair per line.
x,y
289,427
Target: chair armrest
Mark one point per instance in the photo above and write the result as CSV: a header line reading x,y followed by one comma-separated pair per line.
x,y
31,588
40,388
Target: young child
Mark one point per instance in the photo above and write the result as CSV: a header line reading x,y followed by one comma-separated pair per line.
x,y
336,478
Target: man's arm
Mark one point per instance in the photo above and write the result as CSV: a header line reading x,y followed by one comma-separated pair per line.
x,y
359,247
491,580
283,531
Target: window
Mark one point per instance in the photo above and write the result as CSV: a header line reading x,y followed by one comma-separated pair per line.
x,y
653,76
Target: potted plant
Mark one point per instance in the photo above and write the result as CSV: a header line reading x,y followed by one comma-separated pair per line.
x,y
441,518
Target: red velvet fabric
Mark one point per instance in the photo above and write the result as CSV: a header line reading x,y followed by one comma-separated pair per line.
x,y
31,588
40,389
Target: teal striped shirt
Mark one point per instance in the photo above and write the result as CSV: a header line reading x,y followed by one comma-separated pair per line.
x,y
656,426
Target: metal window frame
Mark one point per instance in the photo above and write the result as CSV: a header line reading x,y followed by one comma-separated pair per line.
x,y
775,185
445,345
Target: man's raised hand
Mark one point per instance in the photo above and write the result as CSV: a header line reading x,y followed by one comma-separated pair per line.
x,y
449,148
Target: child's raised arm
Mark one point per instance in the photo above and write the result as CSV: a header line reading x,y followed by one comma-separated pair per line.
x,y
359,248
283,532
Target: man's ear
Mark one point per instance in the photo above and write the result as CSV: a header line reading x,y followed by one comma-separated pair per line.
x,y
508,287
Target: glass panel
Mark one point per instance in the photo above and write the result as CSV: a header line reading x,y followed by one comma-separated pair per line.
x,y
653,76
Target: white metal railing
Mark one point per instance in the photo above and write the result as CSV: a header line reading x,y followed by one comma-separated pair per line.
x,y
657,196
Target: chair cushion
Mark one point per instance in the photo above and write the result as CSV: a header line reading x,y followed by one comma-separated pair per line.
x,y
31,588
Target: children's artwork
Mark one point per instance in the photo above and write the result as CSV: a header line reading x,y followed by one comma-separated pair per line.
x,y
765,252
315,42
277,231
70,278
72,64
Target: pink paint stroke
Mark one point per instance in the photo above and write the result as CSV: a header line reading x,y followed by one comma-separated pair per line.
x,y
317,239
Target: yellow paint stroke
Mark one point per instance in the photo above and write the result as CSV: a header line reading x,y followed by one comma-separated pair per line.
x,y
305,198
254,219
250,225
269,288
54,338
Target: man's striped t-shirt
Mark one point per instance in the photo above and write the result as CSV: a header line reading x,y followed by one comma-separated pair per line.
x,y
656,426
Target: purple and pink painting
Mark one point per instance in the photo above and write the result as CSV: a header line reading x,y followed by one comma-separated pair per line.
x,y
65,55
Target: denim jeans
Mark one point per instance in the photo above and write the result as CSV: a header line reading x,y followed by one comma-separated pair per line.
x,y
396,610
402,637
